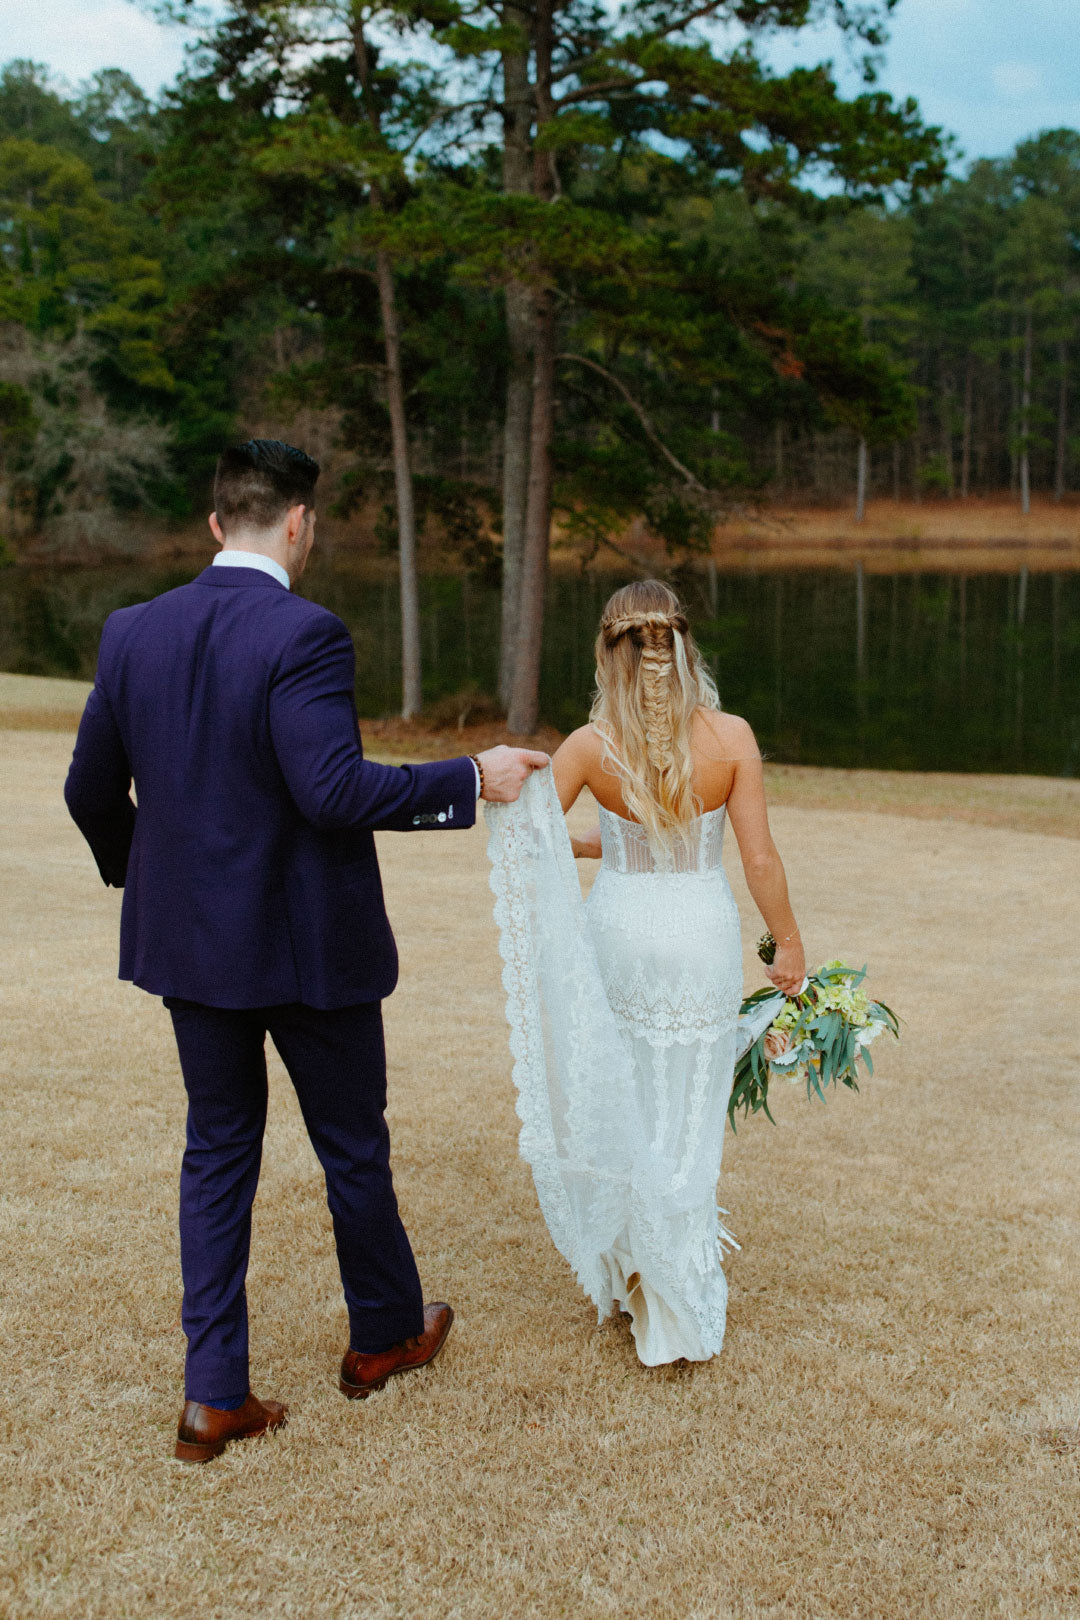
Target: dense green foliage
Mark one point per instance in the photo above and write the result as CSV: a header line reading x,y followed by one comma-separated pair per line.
x,y
729,324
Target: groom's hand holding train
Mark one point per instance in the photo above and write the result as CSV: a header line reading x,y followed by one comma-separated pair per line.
x,y
504,771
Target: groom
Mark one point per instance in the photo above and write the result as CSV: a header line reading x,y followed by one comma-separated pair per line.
x,y
253,906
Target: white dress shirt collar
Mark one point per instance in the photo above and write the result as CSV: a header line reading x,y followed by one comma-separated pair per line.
x,y
252,559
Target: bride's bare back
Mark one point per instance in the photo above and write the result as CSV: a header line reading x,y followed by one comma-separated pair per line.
x,y
727,769
718,741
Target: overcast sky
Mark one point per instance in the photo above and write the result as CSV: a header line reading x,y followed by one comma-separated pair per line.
x,y
991,71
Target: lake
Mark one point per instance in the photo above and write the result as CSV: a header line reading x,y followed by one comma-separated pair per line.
x,y
977,672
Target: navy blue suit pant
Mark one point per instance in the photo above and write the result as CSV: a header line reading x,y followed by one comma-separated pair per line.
x,y
337,1063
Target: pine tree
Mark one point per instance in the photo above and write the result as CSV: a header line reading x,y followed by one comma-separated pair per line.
x,y
592,82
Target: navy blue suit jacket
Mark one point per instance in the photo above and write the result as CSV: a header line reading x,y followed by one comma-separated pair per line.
x,y
249,869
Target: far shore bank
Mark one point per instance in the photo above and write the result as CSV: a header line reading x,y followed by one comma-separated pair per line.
x,y
977,535
939,536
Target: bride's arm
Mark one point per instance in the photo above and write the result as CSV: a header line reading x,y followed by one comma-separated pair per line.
x,y
763,868
570,767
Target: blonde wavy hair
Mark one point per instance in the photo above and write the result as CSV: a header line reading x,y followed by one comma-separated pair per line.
x,y
650,680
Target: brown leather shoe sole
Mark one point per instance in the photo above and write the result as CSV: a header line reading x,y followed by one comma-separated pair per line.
x,y
203,1451
187,1451
360,1392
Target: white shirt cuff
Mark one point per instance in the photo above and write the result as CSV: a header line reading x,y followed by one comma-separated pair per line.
x,y
476,773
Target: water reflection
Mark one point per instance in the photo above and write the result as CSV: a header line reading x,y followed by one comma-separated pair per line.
x,y
931,672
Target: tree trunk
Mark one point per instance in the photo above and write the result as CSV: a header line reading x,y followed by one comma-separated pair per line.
x,y
1062,455
1025,419
411,684
1014,408
524,697
945,413
515,474
860,481
518,105
965,448
525,691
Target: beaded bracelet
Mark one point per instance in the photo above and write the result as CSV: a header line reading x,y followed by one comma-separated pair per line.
x,y
479,771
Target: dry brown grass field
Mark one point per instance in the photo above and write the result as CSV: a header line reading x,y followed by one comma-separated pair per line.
x,y
893,1428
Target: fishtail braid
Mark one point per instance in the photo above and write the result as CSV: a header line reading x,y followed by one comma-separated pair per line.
x,y
650,681
656,666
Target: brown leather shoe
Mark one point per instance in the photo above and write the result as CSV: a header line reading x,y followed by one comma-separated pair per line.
x,y
205,1431
362,1374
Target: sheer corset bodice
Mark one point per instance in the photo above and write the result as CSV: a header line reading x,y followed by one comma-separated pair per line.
x,y
626,847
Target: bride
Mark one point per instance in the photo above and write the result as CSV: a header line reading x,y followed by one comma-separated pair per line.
x,y
624,1011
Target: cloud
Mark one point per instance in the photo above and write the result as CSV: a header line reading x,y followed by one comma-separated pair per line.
x,y
1015,80
76,40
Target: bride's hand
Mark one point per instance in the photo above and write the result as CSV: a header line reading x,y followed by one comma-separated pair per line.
x,y
587,848
788,968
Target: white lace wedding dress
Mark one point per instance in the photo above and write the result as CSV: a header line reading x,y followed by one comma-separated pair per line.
x,y
624,1028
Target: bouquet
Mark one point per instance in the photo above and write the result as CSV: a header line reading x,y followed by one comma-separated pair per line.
x,y
819,1036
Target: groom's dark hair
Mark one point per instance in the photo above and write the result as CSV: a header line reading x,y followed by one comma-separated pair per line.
x,y
256,483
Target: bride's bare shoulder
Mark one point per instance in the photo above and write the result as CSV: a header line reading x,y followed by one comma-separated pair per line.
x,y
733,735
577,764
584,743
